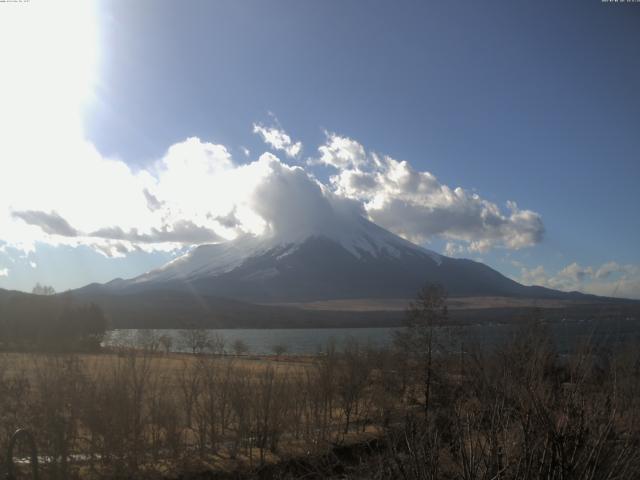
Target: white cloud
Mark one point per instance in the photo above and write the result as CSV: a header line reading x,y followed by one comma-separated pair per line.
x,y
4,272
575,272
453,249
294,204
196,193
341,152
84,198
609,268
534,276
610,279
278,139
417,206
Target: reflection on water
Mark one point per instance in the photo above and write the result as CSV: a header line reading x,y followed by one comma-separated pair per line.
x,y
310,341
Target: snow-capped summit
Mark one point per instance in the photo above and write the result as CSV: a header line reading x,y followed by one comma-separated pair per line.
x,y
362,239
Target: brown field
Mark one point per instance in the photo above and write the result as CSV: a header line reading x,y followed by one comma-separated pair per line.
x,y
474,415
168,365
454,303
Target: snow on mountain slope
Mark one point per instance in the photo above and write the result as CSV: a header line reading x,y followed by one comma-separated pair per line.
x,y
361,238
350,260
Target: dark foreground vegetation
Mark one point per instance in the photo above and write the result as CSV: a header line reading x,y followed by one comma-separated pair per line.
x,y
419,410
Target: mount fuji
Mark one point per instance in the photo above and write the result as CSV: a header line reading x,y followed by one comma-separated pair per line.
x,y
347,258
318,251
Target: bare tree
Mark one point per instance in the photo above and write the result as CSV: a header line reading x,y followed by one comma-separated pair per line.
x,y
270,408
240,347
242,390
216,343
148,339
196,340
279,349
167,342
190,387
351,377
417,339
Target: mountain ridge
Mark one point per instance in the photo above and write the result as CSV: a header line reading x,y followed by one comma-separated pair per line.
x,y
365,261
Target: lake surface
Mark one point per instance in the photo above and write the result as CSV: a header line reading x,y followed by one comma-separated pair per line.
x,y
567,335
297,341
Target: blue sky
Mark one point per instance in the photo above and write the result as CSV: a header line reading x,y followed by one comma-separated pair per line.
x,y
531,102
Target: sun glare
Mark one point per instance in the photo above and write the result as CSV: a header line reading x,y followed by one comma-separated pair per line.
x,y
48,51
49,56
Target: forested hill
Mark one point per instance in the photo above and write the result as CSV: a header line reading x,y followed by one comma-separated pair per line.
x,y
48,321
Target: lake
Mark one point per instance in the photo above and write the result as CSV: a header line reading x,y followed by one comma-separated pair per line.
x,y
311,341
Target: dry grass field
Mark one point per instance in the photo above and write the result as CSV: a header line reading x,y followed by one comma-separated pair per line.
x,y
519,412
169,365
455,303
